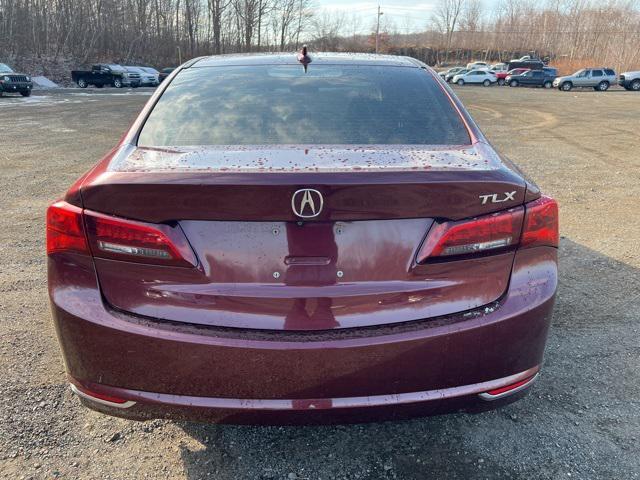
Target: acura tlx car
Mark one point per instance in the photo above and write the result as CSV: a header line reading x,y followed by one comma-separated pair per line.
x,y
320,238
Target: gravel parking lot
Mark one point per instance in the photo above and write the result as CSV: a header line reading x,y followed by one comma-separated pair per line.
x,y
582,419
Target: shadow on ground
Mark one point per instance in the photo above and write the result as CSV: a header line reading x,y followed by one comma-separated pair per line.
x,y
582,419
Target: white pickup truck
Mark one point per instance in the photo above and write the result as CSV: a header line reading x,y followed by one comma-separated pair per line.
x,y
630,80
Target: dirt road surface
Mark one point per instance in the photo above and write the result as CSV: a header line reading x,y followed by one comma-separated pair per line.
x,y
582,419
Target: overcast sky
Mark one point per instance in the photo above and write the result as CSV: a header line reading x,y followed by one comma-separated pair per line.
x,y
405,15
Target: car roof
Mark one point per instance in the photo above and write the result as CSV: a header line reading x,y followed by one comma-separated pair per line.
x,y
318,58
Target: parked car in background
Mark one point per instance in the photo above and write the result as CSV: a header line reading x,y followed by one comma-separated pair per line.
x,y
528,64
599,79
102,74
532,78
447,75
146,79
164,73
152,71
474,65
502,76
630,81
481,77
14,82
499,67
358,308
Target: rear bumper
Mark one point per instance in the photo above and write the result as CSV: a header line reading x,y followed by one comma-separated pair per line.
x,y
239,376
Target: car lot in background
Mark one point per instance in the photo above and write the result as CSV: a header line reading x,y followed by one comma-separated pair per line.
x,y
600,79
147,79
14,82
475,77
164,73
502,76
630,81
580,419
531,78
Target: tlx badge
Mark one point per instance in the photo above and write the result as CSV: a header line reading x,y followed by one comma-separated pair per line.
x,y
494,197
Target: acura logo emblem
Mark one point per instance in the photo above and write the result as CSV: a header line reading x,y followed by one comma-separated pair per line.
x,y
307,203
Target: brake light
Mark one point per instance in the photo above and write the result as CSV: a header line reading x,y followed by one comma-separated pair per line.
x,y
65,230
490,232
541,223
121,239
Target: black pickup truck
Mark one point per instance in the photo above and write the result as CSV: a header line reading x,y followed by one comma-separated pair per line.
x,y
12,82
103,74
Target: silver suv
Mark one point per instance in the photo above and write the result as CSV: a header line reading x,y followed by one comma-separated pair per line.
x,y
597,78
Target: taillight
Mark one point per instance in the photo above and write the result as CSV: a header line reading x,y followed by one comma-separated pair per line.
x,y
65,230
490,232
121,239
72,229
541,223
537,220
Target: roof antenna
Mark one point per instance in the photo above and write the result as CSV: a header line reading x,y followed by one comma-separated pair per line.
x,y
303,58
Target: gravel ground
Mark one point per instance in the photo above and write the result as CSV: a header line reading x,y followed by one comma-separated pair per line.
x,y
582,419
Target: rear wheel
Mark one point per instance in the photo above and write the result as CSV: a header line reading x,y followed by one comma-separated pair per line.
x,y
547,84
117,83
566,86
501,81
635,85
603,86
25,93
461,82
486,83
513,83
82,83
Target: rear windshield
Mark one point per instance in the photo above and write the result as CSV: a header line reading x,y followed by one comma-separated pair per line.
x,y
278,105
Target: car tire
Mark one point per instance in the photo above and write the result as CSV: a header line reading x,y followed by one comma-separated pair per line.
x,y
460,82
513,83
547,84
635,85
487,83
603,86
501,81
566,86
26,93
117,83
82,83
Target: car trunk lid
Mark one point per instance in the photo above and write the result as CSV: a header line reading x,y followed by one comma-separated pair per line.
x,y
262,266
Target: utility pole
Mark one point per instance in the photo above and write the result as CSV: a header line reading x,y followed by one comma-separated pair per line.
x,y
378,27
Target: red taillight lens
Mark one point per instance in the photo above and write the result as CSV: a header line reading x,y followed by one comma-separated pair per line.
x,y
541,223
120,239
65,231
490,232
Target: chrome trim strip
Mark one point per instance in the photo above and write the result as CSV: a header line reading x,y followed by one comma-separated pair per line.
x,y
488,397
80,393
167,399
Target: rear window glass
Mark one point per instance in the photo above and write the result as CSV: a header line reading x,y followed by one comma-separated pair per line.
x,y
596,73
277,105
609,72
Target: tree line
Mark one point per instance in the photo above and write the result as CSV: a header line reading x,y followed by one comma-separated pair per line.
x,y
165,32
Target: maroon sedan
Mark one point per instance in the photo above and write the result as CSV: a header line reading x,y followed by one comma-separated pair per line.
x,y
277,242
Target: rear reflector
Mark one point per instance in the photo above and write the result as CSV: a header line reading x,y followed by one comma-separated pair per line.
x,y
541,223
508,389
102,398
490,232
65,230
122,239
